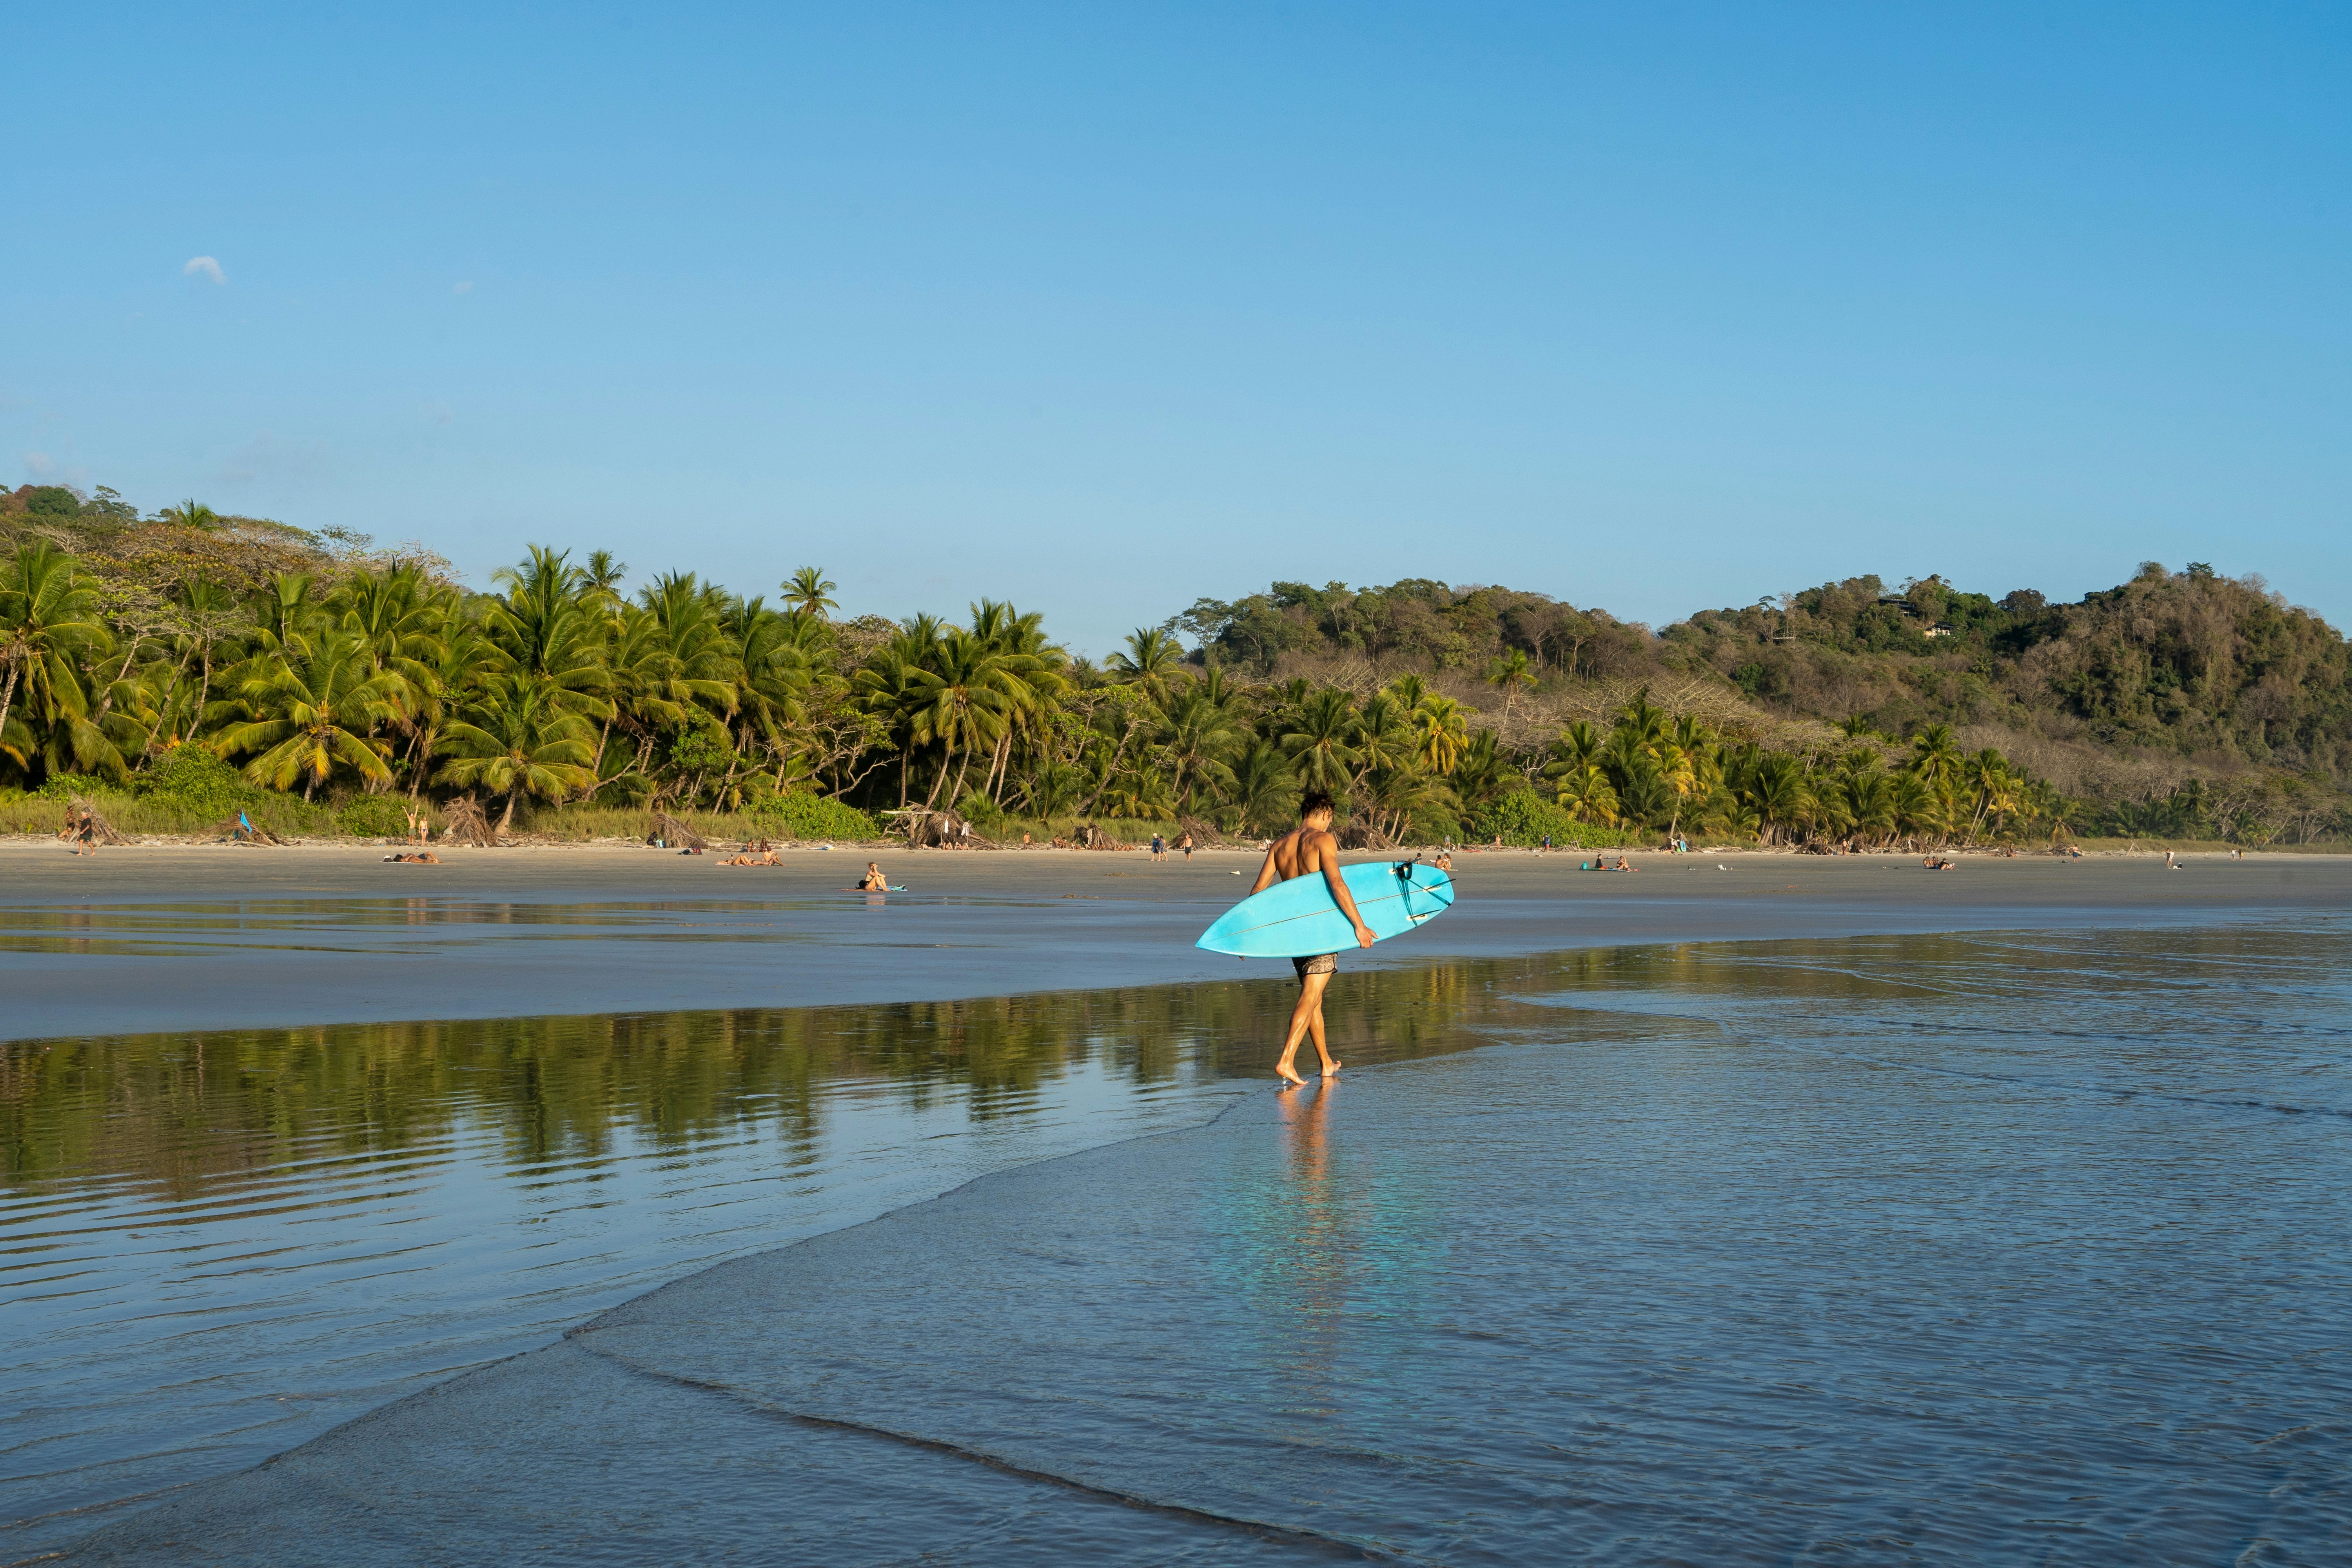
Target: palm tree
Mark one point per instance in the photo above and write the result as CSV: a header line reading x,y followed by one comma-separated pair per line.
x,y
49,623
1585,790
1196,738
1678,770
518,739
1484,771
1318,744
192,513
1575,745
1150,662
1264,789
1384,739
1442,727
1778,793
1034,681
600,580
772,678
1644,720
700,662
1514,674
310,714
1936,755
806,590
1870,799
546,630
963,698
1410,691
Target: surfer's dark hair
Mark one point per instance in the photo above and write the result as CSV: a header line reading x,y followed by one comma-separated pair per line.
x,y
1317,800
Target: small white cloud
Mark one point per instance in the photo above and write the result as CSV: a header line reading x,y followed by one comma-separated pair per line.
x,y
204,267
465,288
41,466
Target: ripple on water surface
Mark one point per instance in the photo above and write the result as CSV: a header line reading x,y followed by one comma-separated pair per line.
x,y
1918,1248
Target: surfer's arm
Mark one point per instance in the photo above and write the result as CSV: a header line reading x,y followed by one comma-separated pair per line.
x,y
1328,851
1266,875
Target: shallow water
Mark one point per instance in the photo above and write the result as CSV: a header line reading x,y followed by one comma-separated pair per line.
x,y
214,1246
1891,1249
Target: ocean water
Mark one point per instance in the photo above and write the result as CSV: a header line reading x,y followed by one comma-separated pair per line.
x,y
216,1246
1934,1249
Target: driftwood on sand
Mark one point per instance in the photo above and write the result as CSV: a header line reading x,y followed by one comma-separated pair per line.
x,y
675,833
1361,835
81,809
245,830
929,829
1206,834
466,822
1089,837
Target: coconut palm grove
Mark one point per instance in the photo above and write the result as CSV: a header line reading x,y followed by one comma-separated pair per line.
x,y
185,670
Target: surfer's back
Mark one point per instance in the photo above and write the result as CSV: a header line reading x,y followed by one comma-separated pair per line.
x,y
1301,852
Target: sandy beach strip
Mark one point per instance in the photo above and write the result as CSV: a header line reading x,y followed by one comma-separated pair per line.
x,y
154,938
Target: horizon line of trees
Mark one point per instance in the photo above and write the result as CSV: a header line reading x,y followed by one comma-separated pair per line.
x,y
373,673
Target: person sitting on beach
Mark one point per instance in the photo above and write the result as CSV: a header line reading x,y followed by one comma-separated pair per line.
x,y
1304,851
1444,862
1621,865
872,881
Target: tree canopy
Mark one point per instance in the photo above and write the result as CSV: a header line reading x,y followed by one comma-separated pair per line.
x,y
1848,714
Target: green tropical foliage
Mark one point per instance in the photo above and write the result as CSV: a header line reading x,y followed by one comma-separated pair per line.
x,y
134,650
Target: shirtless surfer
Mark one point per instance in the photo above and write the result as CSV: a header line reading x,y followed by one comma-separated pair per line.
x,y
1303,852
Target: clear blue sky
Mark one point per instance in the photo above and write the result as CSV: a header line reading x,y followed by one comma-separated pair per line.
x,y
1102,308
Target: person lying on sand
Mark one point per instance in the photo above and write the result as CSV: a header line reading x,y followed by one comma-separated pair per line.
x,y
872,881
421,857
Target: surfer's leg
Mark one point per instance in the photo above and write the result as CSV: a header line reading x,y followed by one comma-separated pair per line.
x,y
1312,995
1299,1016
1314,973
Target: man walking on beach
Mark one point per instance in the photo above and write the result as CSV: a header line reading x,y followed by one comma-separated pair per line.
x,y
1303,852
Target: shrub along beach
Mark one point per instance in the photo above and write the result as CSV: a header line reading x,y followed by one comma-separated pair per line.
x,y
195,674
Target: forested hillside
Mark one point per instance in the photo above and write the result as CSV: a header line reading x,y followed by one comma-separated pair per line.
x,y
235,663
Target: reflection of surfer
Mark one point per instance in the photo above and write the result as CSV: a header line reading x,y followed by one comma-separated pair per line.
x,y
1303,852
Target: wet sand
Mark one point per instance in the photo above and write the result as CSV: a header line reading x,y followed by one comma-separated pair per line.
x,y
184,938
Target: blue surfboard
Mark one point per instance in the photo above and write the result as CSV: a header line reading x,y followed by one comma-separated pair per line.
x,y
1297,918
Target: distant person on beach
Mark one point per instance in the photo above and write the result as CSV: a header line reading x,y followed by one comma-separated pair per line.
x,y
1302,852
872,881
1158,847
1185,843
85,834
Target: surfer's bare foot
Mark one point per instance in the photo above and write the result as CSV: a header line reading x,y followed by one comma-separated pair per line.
x,y
1290,1078
1332,1070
